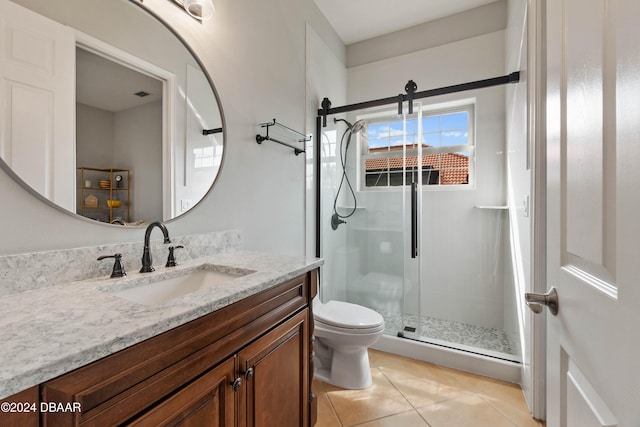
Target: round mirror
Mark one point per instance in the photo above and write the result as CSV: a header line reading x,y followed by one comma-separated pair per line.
x,y
107,114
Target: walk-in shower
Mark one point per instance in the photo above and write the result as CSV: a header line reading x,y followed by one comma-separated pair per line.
x,y
424,231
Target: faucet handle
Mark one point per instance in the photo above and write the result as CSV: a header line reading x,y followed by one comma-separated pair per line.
x,y
171,259
118,268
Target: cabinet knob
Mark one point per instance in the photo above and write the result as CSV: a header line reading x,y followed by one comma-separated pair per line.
x,y
236,384
249,374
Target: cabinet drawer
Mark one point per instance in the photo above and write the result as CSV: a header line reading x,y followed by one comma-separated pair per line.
x,y
208,401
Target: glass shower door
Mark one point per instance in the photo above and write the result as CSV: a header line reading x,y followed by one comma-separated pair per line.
x,y
412,160
376,231
373,259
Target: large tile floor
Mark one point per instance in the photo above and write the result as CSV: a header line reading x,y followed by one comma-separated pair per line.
x,y
410,393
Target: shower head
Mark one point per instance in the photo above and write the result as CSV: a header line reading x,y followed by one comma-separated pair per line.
x,y
354,128
358,126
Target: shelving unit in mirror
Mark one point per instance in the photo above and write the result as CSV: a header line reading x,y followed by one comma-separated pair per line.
x,y
104,194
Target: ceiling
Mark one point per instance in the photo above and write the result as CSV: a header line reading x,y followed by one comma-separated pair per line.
x,y
357,20
109,86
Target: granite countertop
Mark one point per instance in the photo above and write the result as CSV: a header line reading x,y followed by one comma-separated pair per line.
x,y
51,331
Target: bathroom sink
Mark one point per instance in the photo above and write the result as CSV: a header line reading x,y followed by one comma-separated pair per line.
x,y
164,290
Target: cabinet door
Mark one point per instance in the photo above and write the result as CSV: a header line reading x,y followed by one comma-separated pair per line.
x,y
21,409
276,379
208,401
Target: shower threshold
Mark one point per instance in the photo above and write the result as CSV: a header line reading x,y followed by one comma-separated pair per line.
x,y
490,342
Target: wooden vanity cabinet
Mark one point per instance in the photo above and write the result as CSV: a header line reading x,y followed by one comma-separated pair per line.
x,y
275,372
207,401
248,364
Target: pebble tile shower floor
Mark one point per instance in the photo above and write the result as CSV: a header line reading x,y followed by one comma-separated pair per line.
x,y
494,340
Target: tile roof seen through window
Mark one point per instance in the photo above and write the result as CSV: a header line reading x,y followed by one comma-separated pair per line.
x,y
453,167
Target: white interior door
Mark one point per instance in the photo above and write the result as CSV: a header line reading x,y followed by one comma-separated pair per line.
x,y
37,89
593,140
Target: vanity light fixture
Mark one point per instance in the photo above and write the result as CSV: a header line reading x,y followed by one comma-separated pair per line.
x,y
198,9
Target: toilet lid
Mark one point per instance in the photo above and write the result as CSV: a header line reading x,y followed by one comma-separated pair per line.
x,y
347,315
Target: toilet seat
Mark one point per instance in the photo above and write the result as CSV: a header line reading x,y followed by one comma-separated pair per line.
x,y
344,315
321,327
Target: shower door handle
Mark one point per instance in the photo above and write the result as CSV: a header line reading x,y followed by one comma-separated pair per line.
x,y
414,220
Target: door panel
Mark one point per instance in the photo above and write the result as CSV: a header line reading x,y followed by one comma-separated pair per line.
x,y
593,376
586,407
37,80
29,146
589,185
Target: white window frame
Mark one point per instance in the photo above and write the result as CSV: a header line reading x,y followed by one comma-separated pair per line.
x,y
466,105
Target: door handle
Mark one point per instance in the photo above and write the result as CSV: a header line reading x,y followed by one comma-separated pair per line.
x,y
414,220
536,301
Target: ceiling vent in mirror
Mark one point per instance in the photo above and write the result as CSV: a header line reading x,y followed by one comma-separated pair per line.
x,y
142,94
199,9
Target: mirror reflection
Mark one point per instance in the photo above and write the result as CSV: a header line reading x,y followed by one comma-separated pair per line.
x,y
117,123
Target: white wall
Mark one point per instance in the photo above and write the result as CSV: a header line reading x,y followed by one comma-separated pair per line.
x,y
326,78
137,147
471,23
463,247
520,51
255,54
94,137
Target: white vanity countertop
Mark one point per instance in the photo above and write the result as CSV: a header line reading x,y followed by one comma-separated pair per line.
x,y
47,332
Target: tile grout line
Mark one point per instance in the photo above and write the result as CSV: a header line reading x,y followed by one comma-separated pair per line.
x,y
403,396
388,416
332,407
487,401
466,390
451,378
498,410
482,397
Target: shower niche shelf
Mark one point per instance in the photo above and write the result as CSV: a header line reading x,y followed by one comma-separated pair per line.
x,y
492,207
350,208
287,131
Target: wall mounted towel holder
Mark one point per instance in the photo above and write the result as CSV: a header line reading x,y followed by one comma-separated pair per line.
x,y
299,137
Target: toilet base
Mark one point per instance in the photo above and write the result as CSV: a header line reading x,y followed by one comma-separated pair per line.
x,y
349,369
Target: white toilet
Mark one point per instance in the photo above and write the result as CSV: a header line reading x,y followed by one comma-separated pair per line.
x,y
344,332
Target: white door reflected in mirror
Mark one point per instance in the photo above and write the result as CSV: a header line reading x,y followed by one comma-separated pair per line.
x,y
151,127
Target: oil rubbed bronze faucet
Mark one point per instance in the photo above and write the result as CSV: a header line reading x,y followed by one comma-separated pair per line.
x,y
147,263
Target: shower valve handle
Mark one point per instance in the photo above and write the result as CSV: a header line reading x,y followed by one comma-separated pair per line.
x,y
336,221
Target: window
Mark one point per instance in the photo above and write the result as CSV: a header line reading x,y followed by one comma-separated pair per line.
x,y
203,157
445,136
